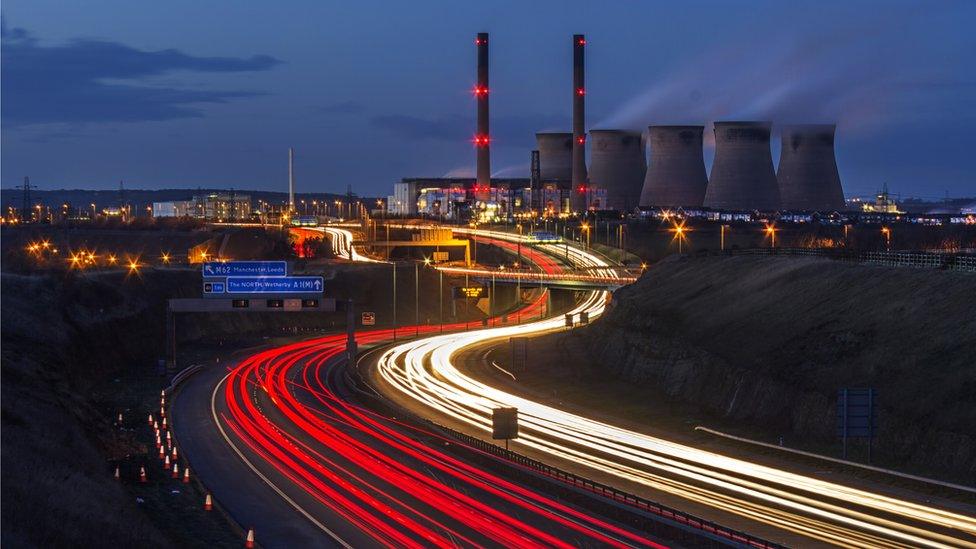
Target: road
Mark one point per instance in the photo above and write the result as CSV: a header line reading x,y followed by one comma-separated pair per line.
x,y
283,447
422,375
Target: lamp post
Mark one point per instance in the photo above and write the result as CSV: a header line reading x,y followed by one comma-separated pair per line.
x,y
722,237
394,301
416,280
771,232
886,232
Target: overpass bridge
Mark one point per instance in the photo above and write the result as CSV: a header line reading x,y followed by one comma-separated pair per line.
x,y
602,279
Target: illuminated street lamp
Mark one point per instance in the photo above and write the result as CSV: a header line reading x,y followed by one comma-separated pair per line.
x,y
722,230
165,258
886,232
771,233
586,227
679,231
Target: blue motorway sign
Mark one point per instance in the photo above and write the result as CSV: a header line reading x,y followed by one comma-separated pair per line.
x,y
245,268
274,284
213,287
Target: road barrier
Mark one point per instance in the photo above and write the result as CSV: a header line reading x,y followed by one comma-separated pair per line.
x,y
530,466
921,260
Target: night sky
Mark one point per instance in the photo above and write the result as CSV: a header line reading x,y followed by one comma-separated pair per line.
x,y
189,93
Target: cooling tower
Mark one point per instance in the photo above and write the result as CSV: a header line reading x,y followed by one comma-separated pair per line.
x,y
482,141
676,175
555,155
742,174
579,122
808,177
617,164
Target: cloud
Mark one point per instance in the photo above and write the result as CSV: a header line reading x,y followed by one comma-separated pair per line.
x,y
80,81
507,131
342,107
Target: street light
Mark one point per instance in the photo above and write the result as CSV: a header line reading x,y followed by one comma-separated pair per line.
x,y
887,236
722,237
771,233
679,231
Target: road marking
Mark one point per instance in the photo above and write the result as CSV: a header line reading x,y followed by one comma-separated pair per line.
x,y
293,503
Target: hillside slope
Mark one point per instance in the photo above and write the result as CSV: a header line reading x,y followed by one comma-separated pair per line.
x,y
767,342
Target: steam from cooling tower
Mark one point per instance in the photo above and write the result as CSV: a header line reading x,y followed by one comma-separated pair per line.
x,y
676,175
617,164
808,176
742,173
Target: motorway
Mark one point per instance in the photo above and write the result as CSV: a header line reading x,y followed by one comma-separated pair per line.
x,y
797,509
279,441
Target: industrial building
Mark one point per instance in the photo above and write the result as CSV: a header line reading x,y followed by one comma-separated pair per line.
x,y
617,164
808,177
211,207
676,175
742,173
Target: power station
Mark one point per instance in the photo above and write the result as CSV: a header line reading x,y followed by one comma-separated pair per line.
x,y
742,173
617,165
676,176
619,176
808,176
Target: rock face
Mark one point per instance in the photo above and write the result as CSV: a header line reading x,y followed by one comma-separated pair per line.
x,y
768,342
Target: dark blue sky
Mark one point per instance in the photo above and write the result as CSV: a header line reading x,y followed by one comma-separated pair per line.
x,y
188,93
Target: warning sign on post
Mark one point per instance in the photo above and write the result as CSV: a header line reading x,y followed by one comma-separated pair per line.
x,y
369,318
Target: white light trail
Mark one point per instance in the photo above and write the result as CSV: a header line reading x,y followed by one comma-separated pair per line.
x,y
826,511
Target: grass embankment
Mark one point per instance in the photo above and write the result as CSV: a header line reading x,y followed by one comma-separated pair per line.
x,y
760,346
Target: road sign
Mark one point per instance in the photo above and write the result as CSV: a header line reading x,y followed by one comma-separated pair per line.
x,y
569,320
274,284
504,423
245,268
584,317
857,415
369,318
469,292
213,287
440,257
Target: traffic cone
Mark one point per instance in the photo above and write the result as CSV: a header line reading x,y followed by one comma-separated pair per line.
x,y
174,452
166,463
176,470
169,437
162,410
150,420
162,452
164,423
156,425
120,418
249,540
159,442
142,474
162,393
208,503
186,475
117,473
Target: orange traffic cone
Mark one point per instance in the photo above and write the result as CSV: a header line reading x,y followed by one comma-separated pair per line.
x,y
117,472
156,425
142,474
208,503
169,437
162,393
186,475
164,423
249,540
174,452
166,463
120,418
162,452
176,470
159,442
150,420
162,410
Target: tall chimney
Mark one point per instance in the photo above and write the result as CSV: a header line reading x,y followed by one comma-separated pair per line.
x,y
482,141
291,180
579,124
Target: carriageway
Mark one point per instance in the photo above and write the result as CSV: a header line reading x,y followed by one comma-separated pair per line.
x,y
603,279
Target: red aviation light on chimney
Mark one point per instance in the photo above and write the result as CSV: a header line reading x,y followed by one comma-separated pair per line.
x,y
479,91
481,140
581,140
581,41
580,91
581,189
480,41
